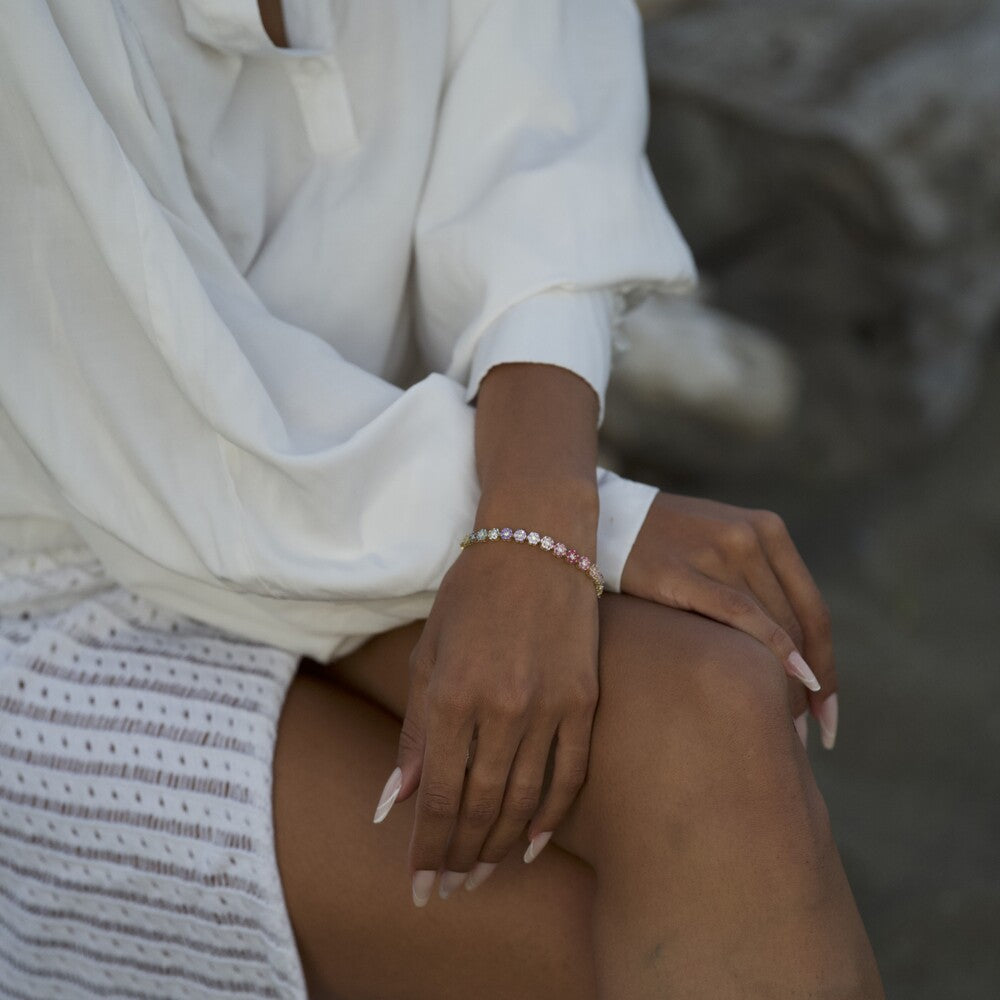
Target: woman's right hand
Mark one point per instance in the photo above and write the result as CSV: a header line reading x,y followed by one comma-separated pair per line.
x,y
506,667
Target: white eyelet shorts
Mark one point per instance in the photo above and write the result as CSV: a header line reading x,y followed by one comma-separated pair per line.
x,y
137,854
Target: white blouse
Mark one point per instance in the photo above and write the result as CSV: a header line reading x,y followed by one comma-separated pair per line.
x,y
221,263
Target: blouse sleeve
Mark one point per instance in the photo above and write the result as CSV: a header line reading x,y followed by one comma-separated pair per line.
x,y
540,208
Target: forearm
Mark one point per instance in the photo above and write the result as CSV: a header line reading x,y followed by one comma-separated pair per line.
x,y
536,452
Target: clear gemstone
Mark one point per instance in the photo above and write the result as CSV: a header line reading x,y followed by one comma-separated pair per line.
x,y
547,543
481,535
494,534
506,534
520,535
534,538
572,555
584,563
559,549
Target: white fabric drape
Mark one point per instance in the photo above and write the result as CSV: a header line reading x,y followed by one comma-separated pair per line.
x,y
219,261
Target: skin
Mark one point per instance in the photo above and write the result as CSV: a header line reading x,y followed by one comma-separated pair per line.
x,y
692,555
272,17
698,835
691,853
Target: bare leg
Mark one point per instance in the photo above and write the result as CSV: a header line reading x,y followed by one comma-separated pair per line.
x,y
716,875
348,890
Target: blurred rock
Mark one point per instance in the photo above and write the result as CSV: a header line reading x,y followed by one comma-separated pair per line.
x,y
713,382
836,168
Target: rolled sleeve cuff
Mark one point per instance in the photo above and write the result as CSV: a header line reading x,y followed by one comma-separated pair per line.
x,y
624,505
571,329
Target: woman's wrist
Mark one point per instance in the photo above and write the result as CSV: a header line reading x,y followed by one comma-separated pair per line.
x,y
536,452
563,508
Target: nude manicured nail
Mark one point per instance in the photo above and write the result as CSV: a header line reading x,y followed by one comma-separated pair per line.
x,y
389,793
538,842
423,882
450,881
801,670
802,728
479,875
826,715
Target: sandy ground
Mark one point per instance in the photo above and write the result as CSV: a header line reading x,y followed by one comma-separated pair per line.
x,y
910,566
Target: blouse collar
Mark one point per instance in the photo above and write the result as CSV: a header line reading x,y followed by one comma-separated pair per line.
x,y
236,26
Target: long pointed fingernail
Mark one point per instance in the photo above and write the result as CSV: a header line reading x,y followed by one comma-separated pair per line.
x,y
538,842
423,882
479,875
802,728
389,793
826,715
450,881
801,670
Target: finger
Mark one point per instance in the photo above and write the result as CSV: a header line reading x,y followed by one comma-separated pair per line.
x,y
826,710
763,584
405,777
569,772
481,803
811,610
449,733
802,729
803,595
798,697
739,610
522,795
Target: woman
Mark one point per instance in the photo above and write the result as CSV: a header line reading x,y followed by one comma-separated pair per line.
x,y
220,223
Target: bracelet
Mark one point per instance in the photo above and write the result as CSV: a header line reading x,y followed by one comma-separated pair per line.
x,y
558,549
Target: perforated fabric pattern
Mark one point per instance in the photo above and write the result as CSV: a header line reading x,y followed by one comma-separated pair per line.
x,y
136,840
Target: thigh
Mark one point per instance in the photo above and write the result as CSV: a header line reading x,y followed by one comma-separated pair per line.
x,y
680,695
644,647
698,792
346,883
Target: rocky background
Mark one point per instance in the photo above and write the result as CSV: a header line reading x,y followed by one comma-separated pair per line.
x,y
835,166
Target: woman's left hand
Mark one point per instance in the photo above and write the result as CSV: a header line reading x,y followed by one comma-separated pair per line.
x,y
741,568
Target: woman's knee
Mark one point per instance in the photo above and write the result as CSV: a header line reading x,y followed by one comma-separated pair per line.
x,y
678,667
740,685
690,711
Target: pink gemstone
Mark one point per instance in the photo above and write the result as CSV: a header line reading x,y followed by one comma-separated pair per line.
x,y
584,563
559,549
572,555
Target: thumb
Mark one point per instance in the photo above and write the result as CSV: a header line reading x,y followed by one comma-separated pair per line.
x,y
405,778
